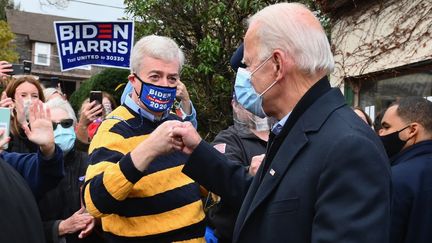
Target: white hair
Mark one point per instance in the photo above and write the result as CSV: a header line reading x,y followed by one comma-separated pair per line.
x,y
59,103
159,47
280,28
50,91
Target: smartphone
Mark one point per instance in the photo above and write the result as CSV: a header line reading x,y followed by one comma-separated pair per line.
x,y
27,65
17,69
5,117
97,96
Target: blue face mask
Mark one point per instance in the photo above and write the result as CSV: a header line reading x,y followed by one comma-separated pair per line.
x,y
246,94
64,138
156,98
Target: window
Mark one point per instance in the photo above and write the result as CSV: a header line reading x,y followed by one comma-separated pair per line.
x,y
377,95
42,53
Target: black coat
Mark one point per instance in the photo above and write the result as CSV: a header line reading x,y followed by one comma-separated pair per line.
x,y
20,221
412,195
240,146
328,178
21,144
64,200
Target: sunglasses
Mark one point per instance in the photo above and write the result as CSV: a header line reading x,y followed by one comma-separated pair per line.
x,y
65,123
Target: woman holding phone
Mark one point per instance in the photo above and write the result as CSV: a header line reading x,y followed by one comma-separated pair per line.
x,y
92,113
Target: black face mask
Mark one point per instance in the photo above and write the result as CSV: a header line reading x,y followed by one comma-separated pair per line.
x,y
392,143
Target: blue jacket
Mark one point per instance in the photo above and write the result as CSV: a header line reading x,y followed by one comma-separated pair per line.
x,y
412,194
40,173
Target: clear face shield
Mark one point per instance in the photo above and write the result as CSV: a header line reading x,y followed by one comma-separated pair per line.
x,y
245,120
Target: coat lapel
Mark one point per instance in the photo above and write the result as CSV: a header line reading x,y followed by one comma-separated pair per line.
x,y
281,162
279,166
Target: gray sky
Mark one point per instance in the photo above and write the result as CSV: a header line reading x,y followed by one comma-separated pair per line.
x,y
81,9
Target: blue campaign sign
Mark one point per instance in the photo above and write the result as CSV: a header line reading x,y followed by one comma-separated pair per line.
x,y
81,43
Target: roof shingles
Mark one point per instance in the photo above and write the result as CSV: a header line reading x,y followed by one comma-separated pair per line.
x,y
38,27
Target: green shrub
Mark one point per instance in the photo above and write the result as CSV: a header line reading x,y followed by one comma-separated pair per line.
x,y
107,81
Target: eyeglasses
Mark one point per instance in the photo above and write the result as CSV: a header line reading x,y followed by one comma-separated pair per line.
x,y
65,123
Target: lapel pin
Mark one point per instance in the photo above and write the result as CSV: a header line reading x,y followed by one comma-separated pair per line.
x,y
272,172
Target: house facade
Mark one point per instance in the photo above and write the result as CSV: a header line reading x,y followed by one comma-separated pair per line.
x,y
36,42
383,50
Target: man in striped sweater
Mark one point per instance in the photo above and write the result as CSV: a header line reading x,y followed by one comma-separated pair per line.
x,y
138,196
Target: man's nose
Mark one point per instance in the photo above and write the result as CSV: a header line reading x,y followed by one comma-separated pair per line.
x,y
164,82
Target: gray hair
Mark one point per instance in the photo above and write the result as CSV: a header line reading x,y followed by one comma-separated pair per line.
x,y
280,28
159,47
50,91
59,103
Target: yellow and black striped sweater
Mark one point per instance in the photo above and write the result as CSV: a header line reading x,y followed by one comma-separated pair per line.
x,y
160,204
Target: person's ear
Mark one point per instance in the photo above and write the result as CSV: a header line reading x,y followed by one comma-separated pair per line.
x,y
413,130
131,78
278,60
